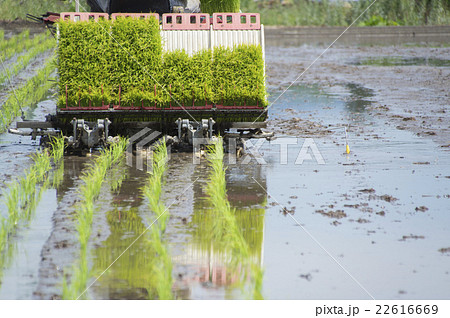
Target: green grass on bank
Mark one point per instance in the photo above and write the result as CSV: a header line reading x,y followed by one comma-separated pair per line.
x,y
343,13
289,12
212,6
12,9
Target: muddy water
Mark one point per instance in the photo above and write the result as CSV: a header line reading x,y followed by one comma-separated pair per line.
x,y
376,217
366,224
20,278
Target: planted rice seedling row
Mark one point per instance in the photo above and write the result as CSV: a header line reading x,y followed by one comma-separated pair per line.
x,y
25,59
162,263
14,40
226,229
121,62
24,193
148,265
23,45
33,91
92,182
116,176
92,179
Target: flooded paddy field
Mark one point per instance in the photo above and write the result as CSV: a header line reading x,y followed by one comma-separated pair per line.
x,y
320,223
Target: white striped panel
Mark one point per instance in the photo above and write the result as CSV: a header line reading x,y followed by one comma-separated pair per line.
x,y
230,38
193,41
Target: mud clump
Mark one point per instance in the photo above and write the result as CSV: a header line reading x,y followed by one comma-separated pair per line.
x,y
373,196
354,206
384,197
388,198
382,107
286,211
412,237
338,214
297,126
444,250
367,190
421,209
61,244
308,277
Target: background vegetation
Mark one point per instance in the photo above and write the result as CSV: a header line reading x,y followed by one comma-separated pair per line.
x,y
212,6
287,12
13,9
344,12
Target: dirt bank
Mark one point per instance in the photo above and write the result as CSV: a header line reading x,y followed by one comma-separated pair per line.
x,y
381,35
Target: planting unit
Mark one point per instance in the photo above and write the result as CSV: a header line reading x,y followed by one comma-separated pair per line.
x,y
186,75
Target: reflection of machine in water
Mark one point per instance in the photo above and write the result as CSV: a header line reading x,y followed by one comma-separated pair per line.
x,y
131,275
207,254
199,258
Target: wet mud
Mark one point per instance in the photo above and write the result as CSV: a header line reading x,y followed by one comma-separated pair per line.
x,y
411,96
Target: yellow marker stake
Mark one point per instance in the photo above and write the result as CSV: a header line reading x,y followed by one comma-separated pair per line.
x,y
347,147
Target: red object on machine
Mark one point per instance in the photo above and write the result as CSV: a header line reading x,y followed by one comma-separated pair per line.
x,y
186,21
236,21
51,17
83,16
135,15
219,21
